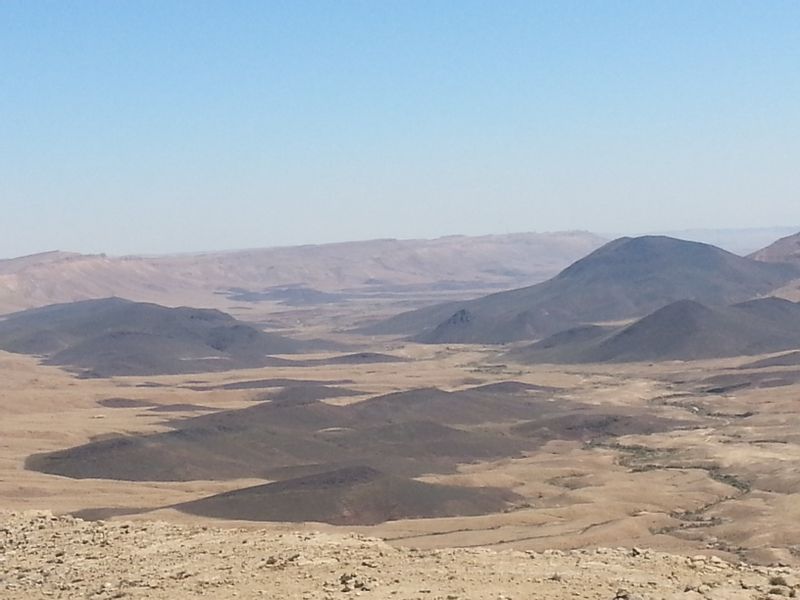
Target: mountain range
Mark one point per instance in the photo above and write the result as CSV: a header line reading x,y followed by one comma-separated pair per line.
x,y
692,300
625,279
298,274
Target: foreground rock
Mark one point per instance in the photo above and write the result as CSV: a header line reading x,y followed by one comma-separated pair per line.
x,y
42,556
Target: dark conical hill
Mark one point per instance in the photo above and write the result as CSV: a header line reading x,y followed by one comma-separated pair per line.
x,y
627,278
113,336
683,330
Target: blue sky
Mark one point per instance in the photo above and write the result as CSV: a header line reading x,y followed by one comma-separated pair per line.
x,y
159,126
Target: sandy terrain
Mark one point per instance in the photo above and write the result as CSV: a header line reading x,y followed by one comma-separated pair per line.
x,y
729,487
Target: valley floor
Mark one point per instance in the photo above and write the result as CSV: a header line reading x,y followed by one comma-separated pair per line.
x,y
725,483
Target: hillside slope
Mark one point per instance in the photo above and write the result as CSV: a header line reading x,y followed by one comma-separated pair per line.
x,y
683,330
113,336
626,278
786,249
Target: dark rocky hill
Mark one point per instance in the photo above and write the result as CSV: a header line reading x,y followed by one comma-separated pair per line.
x,y
683,330
353,463
627,278
406,434
355,495
113,336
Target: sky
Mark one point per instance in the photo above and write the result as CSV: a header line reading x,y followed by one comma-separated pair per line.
x,y
155,126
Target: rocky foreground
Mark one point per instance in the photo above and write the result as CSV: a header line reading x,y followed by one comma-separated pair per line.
x,y
44,556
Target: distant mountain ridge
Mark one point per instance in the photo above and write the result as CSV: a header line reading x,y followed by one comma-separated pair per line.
x,y
626,278
786,249
302,273
741,241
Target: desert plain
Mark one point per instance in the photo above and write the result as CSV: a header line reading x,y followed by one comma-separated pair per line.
x,y
400,469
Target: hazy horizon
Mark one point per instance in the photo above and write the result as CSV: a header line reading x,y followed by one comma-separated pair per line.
x,y
737,240
162,127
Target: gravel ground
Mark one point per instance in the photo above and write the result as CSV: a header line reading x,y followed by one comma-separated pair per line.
x,y
44,556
